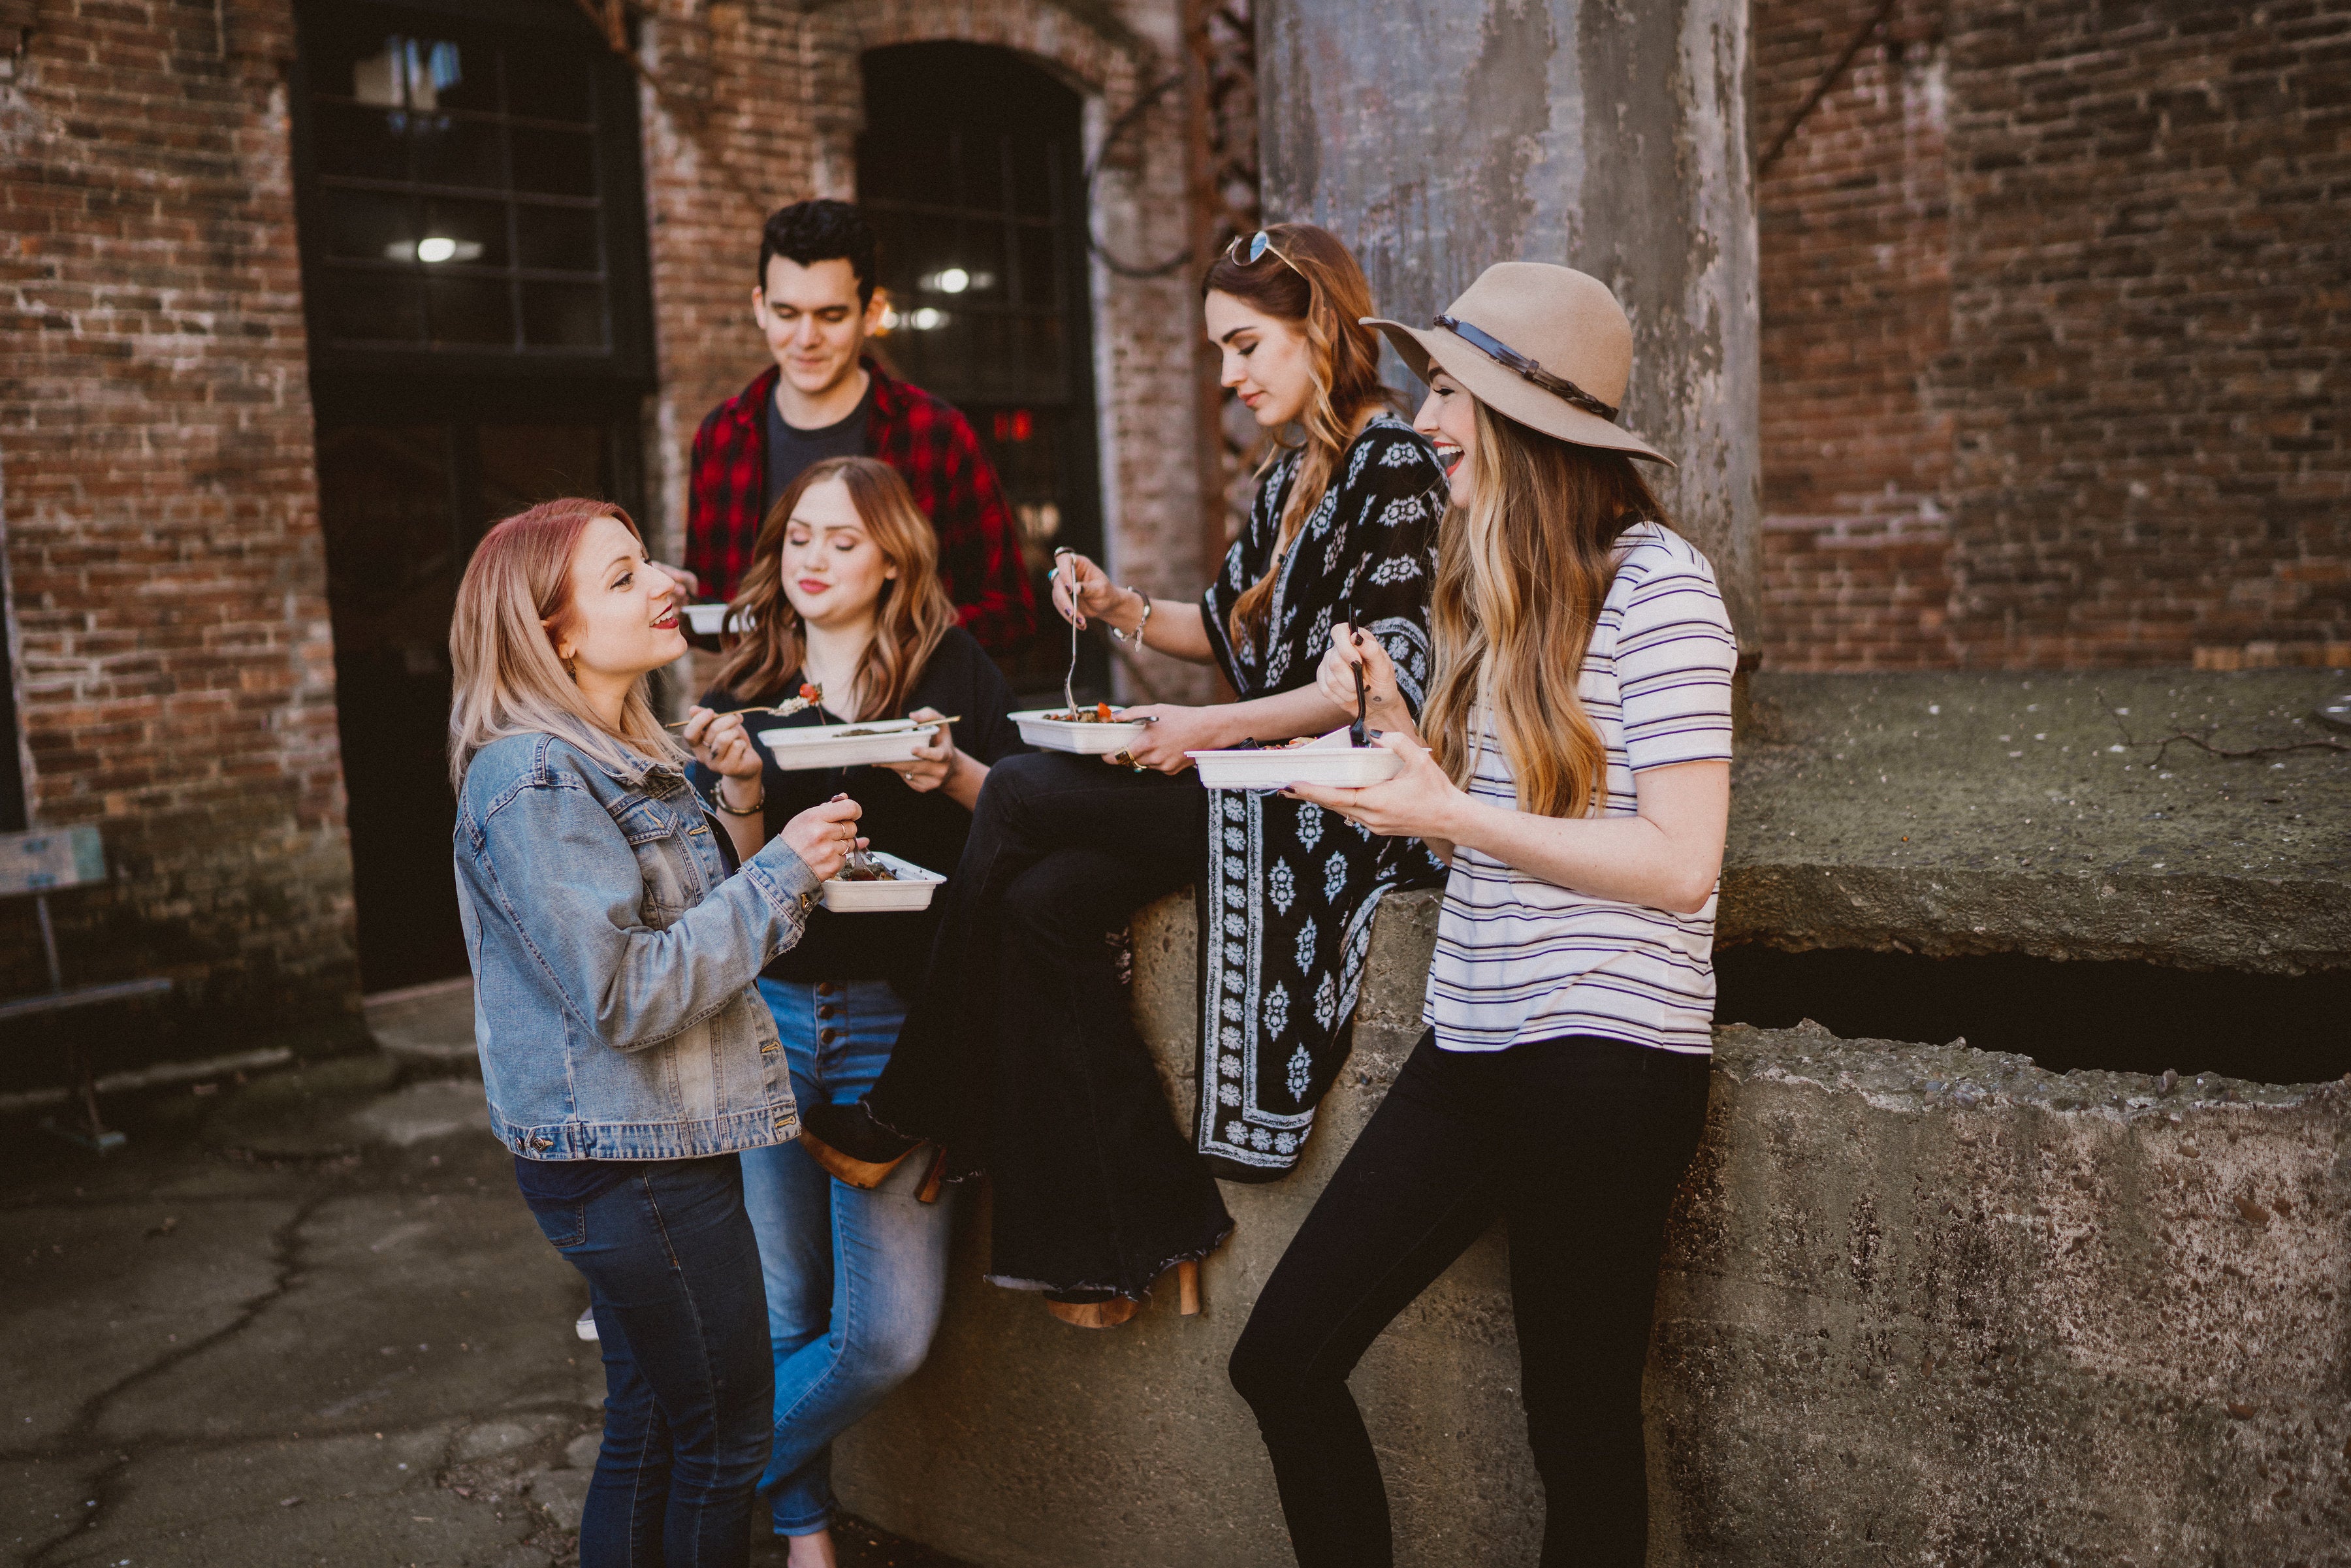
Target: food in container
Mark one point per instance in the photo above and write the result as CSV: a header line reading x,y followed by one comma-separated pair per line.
x,y
710,619
1087,731
1327,760
848,745
887,883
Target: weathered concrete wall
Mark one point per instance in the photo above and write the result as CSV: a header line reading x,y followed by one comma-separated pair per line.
x,y
1923,1304
1929,1304
1980,813
1437,141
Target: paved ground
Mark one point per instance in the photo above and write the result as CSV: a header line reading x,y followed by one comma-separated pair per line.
x,y
300,1320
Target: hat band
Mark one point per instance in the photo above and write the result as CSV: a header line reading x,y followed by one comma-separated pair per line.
x,y
1510,358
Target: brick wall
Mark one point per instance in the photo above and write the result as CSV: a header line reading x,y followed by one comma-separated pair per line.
x,y
169,634
2052,297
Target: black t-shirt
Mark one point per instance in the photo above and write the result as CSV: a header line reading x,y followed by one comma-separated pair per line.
x,y
792,450
927,829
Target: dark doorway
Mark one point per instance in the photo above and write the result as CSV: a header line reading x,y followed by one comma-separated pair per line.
x,y
472,240
971,170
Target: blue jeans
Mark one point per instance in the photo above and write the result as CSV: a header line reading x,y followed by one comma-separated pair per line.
x,y
854,1279
670,1261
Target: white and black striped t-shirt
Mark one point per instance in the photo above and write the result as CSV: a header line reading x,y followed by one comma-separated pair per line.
x,y
1522,959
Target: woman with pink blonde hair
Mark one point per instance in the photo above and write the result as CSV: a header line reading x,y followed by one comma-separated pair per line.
x,y
615,937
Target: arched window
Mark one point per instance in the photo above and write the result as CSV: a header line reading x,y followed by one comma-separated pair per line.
x,y
970,169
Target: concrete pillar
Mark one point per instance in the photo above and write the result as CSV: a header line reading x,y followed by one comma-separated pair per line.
x,y
1439,137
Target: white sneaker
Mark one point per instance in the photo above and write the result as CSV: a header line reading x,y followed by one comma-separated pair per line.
x,y
585,1327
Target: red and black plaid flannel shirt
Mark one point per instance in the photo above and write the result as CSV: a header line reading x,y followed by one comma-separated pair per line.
x,y
928,443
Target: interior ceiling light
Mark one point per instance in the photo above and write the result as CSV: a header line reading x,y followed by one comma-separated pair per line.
x,y
954,280
433,249
927,319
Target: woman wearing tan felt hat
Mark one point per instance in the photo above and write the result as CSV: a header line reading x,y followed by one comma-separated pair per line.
x,y
1576,777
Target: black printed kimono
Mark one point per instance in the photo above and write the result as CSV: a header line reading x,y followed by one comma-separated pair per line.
x,y
1290,890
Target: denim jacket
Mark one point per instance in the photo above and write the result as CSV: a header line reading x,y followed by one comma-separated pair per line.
x,y
613,960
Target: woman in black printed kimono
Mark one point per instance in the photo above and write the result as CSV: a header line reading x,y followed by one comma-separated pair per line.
x,y
1018,1055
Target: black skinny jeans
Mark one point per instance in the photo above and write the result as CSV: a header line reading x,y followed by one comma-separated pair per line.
x,y
1581,1142
1020,1050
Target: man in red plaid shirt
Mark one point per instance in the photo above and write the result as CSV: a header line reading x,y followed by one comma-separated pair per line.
x,y
823,398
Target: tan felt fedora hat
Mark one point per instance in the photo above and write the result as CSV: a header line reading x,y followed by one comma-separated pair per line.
x,y
1548,346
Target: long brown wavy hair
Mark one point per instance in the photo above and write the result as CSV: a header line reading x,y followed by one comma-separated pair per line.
x,y
1521,578
910,619
1308,277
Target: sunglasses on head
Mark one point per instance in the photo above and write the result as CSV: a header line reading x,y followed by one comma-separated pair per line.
x,y
1258,244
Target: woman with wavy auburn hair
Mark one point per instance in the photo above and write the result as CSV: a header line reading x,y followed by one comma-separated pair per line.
x,y
615,936
1577,778
844,594
1020,1053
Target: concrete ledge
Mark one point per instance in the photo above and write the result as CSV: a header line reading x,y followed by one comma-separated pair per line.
x,y
1922,1303
1979,813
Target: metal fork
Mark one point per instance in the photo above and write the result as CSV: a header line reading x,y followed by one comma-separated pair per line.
x,y
1068,558
1356,735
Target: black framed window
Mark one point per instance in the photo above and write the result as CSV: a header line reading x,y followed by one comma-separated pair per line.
x,y
971,170
470,190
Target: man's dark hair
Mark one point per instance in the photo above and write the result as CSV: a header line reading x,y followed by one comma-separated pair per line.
x,y
814,231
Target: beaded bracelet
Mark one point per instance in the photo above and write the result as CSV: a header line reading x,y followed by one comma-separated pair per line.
x,y
1136,636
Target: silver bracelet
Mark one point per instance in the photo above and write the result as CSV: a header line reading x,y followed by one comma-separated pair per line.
x,y
1136,636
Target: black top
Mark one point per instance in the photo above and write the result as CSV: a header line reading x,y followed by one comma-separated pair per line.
x,y
792,450
926,829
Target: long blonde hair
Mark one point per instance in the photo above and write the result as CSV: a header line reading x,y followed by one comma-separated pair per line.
x,y
1308,276
508,681
1520,579
910,619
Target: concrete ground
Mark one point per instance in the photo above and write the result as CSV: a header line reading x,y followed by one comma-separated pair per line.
x,y
302,1319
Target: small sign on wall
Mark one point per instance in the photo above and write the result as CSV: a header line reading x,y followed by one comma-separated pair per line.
x,y
36,863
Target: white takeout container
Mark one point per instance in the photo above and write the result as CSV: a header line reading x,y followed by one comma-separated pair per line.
x,y
1085,738
831,745
911,890
710,619
1328,762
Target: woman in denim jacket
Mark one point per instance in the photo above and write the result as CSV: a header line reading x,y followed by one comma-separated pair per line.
x,y
626,1054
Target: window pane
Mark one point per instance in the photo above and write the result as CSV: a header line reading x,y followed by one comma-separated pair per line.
x,y
364,141
459,233
470,311
898,166
375,307
563,315
1033,177
1038,263
979,169
557,163
368,224
562,239
552,85
453,151
419,75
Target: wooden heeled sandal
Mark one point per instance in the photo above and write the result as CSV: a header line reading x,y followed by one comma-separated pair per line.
x,y
1109,1315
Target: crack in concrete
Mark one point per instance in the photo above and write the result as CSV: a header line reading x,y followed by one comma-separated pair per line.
x,y
79,1436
